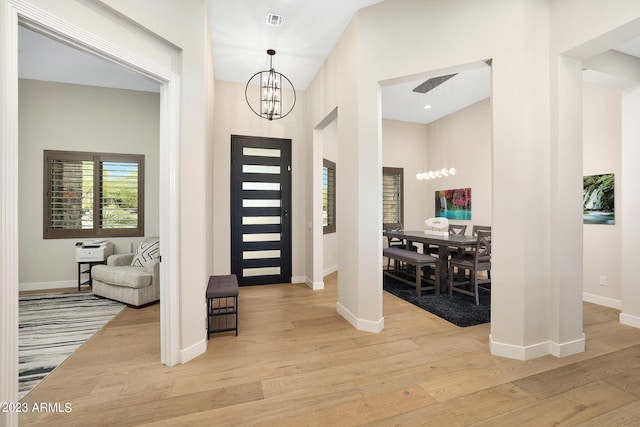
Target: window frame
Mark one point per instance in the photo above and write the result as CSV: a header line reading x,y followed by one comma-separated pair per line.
x,y
97,231
400,173
331,196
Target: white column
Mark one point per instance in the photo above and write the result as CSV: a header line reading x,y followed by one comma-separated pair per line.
x,y
566,336
9,211
630,204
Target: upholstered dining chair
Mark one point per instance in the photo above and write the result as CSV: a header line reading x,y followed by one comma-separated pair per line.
x,y
473,262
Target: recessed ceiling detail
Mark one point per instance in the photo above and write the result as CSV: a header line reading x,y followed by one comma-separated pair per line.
x,y
432,83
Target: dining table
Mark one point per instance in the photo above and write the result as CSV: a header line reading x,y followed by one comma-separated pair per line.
x,y
444,242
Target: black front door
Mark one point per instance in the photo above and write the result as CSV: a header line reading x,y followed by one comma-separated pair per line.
x,y
260,210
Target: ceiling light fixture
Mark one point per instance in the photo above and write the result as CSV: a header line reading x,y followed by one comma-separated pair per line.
x,y
273,101
436,174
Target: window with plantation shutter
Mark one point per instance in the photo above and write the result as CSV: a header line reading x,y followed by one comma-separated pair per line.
x,y
93,194
328,196
392,195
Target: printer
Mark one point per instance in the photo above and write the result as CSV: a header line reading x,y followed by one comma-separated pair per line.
x,y
93,250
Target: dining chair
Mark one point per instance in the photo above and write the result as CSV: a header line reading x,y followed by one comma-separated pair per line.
x,y
473,262
454,229
393,242
474,233
476,228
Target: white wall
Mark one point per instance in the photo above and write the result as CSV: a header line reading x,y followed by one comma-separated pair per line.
x,y
405,145
338,84
181,28
611,142
602,154
463,141
233,117
59,116
630,206
610,127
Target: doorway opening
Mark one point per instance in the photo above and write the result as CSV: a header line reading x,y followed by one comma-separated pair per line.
x,y
20,14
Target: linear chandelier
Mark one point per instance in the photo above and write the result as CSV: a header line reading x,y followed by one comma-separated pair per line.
x,y
436,174
273,103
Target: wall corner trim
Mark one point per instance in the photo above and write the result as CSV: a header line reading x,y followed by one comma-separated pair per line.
x,y
537,350
193,351
315,286
360,324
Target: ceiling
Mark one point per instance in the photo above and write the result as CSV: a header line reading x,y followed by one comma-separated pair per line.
x,y
42,58
240,37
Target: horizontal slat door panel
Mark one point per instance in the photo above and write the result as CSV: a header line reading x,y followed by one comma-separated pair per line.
x,y
260,210
261,246
263,262
253,229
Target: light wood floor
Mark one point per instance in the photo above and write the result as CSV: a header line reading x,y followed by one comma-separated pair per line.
x,y
297,362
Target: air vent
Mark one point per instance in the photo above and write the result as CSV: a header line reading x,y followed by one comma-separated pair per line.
x,y
273,19
432,83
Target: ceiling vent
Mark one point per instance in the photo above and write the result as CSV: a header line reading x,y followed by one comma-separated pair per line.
x,y
432,83
273,19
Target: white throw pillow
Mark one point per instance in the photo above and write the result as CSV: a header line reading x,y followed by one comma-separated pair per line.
x,y
147,251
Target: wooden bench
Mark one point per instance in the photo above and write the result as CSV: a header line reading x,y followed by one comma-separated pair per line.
x,y
222,304
418,260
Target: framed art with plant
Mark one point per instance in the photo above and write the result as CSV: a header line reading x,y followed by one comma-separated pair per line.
x,y
454,204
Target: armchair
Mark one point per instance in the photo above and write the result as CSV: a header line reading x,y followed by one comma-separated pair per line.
x,y
133,279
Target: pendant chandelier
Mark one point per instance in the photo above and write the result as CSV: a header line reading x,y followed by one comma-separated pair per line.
x,y
267,99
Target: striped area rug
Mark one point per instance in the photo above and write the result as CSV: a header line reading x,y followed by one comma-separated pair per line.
x,y
54,325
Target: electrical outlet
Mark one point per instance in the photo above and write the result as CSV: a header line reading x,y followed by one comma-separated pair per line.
x,y
603,280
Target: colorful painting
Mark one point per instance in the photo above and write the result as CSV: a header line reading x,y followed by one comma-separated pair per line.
x,y
598,199
454,204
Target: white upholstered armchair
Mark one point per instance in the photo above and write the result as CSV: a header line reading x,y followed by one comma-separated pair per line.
x,y
133,279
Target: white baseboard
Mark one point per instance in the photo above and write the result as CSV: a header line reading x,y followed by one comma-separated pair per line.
x,y
329,270
567,348
298,279
536,350
41,286
511,351
600,300
629,320
193,351
360,324
316,286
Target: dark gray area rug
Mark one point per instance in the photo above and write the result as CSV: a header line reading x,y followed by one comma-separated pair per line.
x,y
458,308
54,325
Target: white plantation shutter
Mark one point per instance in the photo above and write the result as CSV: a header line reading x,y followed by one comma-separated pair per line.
x,y
392,195
71,204
93,194
118,206
328,196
